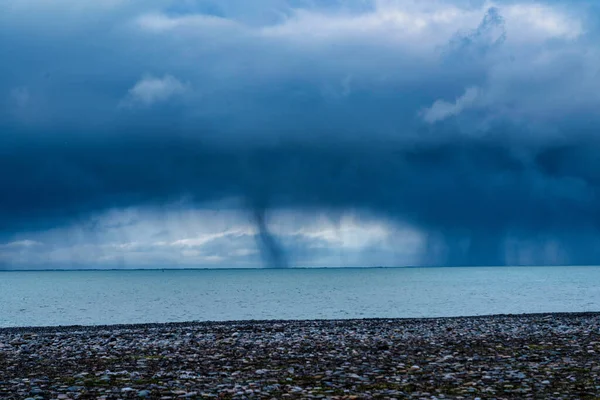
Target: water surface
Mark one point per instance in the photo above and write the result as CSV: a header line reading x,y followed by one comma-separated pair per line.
x,y
37,298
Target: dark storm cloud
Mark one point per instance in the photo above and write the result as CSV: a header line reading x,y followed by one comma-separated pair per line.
x,y
479,190
481,133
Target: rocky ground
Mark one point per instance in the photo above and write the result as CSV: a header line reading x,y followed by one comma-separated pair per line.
x,y
499,357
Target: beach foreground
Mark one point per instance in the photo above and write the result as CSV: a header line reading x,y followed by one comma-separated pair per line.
x,y
528,356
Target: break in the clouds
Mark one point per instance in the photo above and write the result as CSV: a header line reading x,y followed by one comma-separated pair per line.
x,y
448,132
150,90
442,109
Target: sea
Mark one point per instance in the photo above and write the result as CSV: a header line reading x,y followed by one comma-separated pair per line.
x,y
53,298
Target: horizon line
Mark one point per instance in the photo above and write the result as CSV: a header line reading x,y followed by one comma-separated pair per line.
x,y
288,268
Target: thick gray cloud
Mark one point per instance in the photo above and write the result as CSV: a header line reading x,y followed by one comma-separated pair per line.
x,y
475,123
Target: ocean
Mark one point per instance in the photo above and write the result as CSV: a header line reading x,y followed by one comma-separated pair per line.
x,y
51,298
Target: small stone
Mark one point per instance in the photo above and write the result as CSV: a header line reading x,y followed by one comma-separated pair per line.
x,y
261,371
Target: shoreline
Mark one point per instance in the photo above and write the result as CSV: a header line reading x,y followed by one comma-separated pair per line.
x,y
191,324
515,356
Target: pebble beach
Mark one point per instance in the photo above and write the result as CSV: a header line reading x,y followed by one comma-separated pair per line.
x,y
542,356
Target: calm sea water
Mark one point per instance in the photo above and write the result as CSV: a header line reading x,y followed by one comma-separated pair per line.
x,y
110,297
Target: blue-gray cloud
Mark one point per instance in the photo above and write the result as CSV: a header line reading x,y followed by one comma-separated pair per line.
x,y
474,122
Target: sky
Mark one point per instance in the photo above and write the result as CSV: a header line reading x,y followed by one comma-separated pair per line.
x,y
281,133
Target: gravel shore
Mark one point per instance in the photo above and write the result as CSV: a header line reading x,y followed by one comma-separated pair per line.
x,y
552,356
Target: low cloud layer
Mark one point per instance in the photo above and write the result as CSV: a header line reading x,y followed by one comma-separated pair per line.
x,y
184,238
473,123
